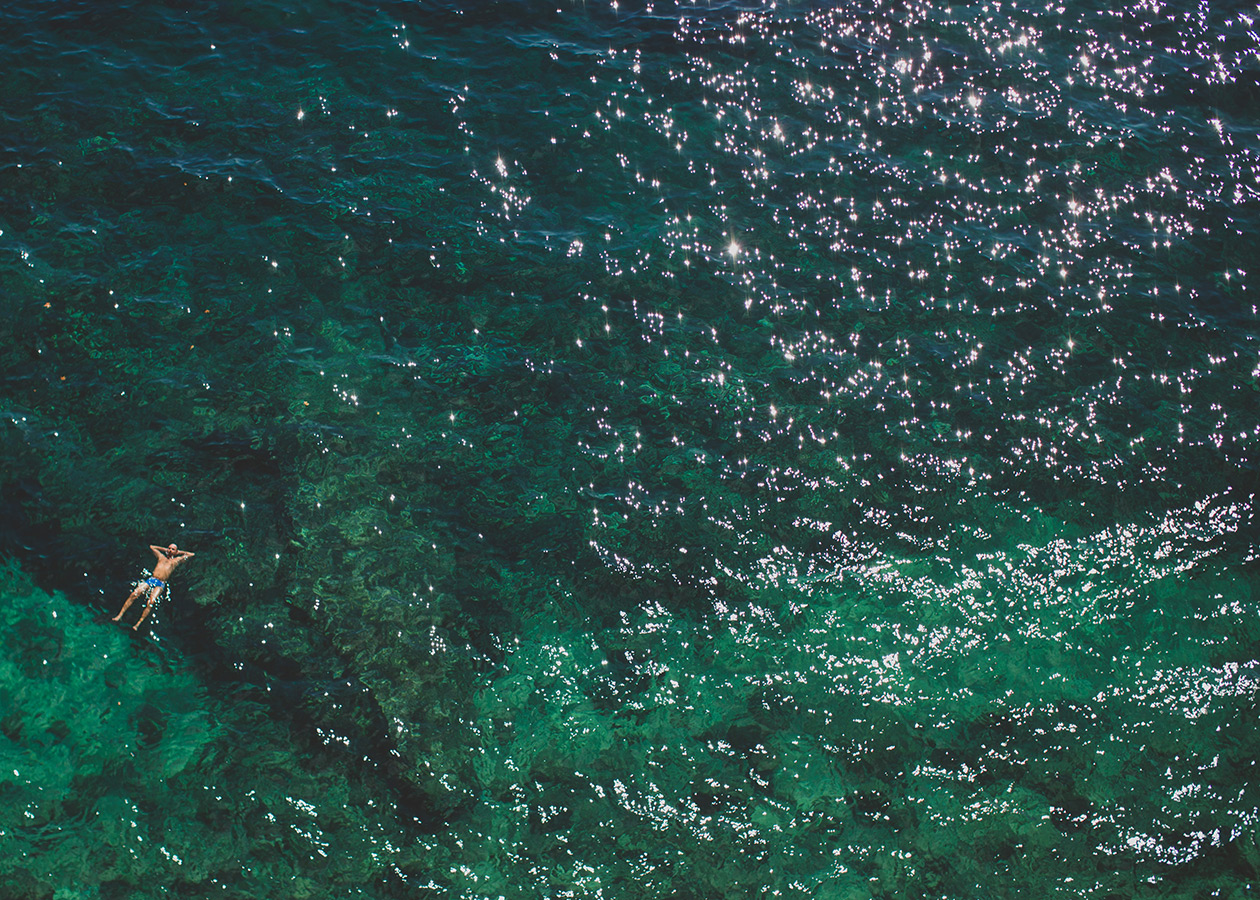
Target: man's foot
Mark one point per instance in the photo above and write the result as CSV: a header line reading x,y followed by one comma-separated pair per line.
x,y
116,618
135,627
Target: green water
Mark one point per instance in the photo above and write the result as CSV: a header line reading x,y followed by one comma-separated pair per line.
x,y
687,451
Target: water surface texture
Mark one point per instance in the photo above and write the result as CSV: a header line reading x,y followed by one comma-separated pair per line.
x,y
672,450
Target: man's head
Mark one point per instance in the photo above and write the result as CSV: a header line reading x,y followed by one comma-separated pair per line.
x,y
172,548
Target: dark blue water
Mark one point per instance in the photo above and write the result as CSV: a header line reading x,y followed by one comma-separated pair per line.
x,y
673,450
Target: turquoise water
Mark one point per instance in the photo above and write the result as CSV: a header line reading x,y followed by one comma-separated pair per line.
x,y
673,450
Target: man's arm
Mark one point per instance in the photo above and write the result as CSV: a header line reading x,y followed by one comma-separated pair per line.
x,y
185,554
159,552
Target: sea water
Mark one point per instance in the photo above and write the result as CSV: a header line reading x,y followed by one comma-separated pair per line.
x,y
670,450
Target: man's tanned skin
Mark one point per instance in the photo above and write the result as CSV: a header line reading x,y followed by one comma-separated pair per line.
x,y
168,558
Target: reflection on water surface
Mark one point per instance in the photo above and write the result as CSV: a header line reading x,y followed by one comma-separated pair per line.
x,y
686,450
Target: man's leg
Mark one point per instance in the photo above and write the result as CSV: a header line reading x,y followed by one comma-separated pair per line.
x,y
130,600
153,595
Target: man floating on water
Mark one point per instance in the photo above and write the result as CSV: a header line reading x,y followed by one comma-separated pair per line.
x,y
155,582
